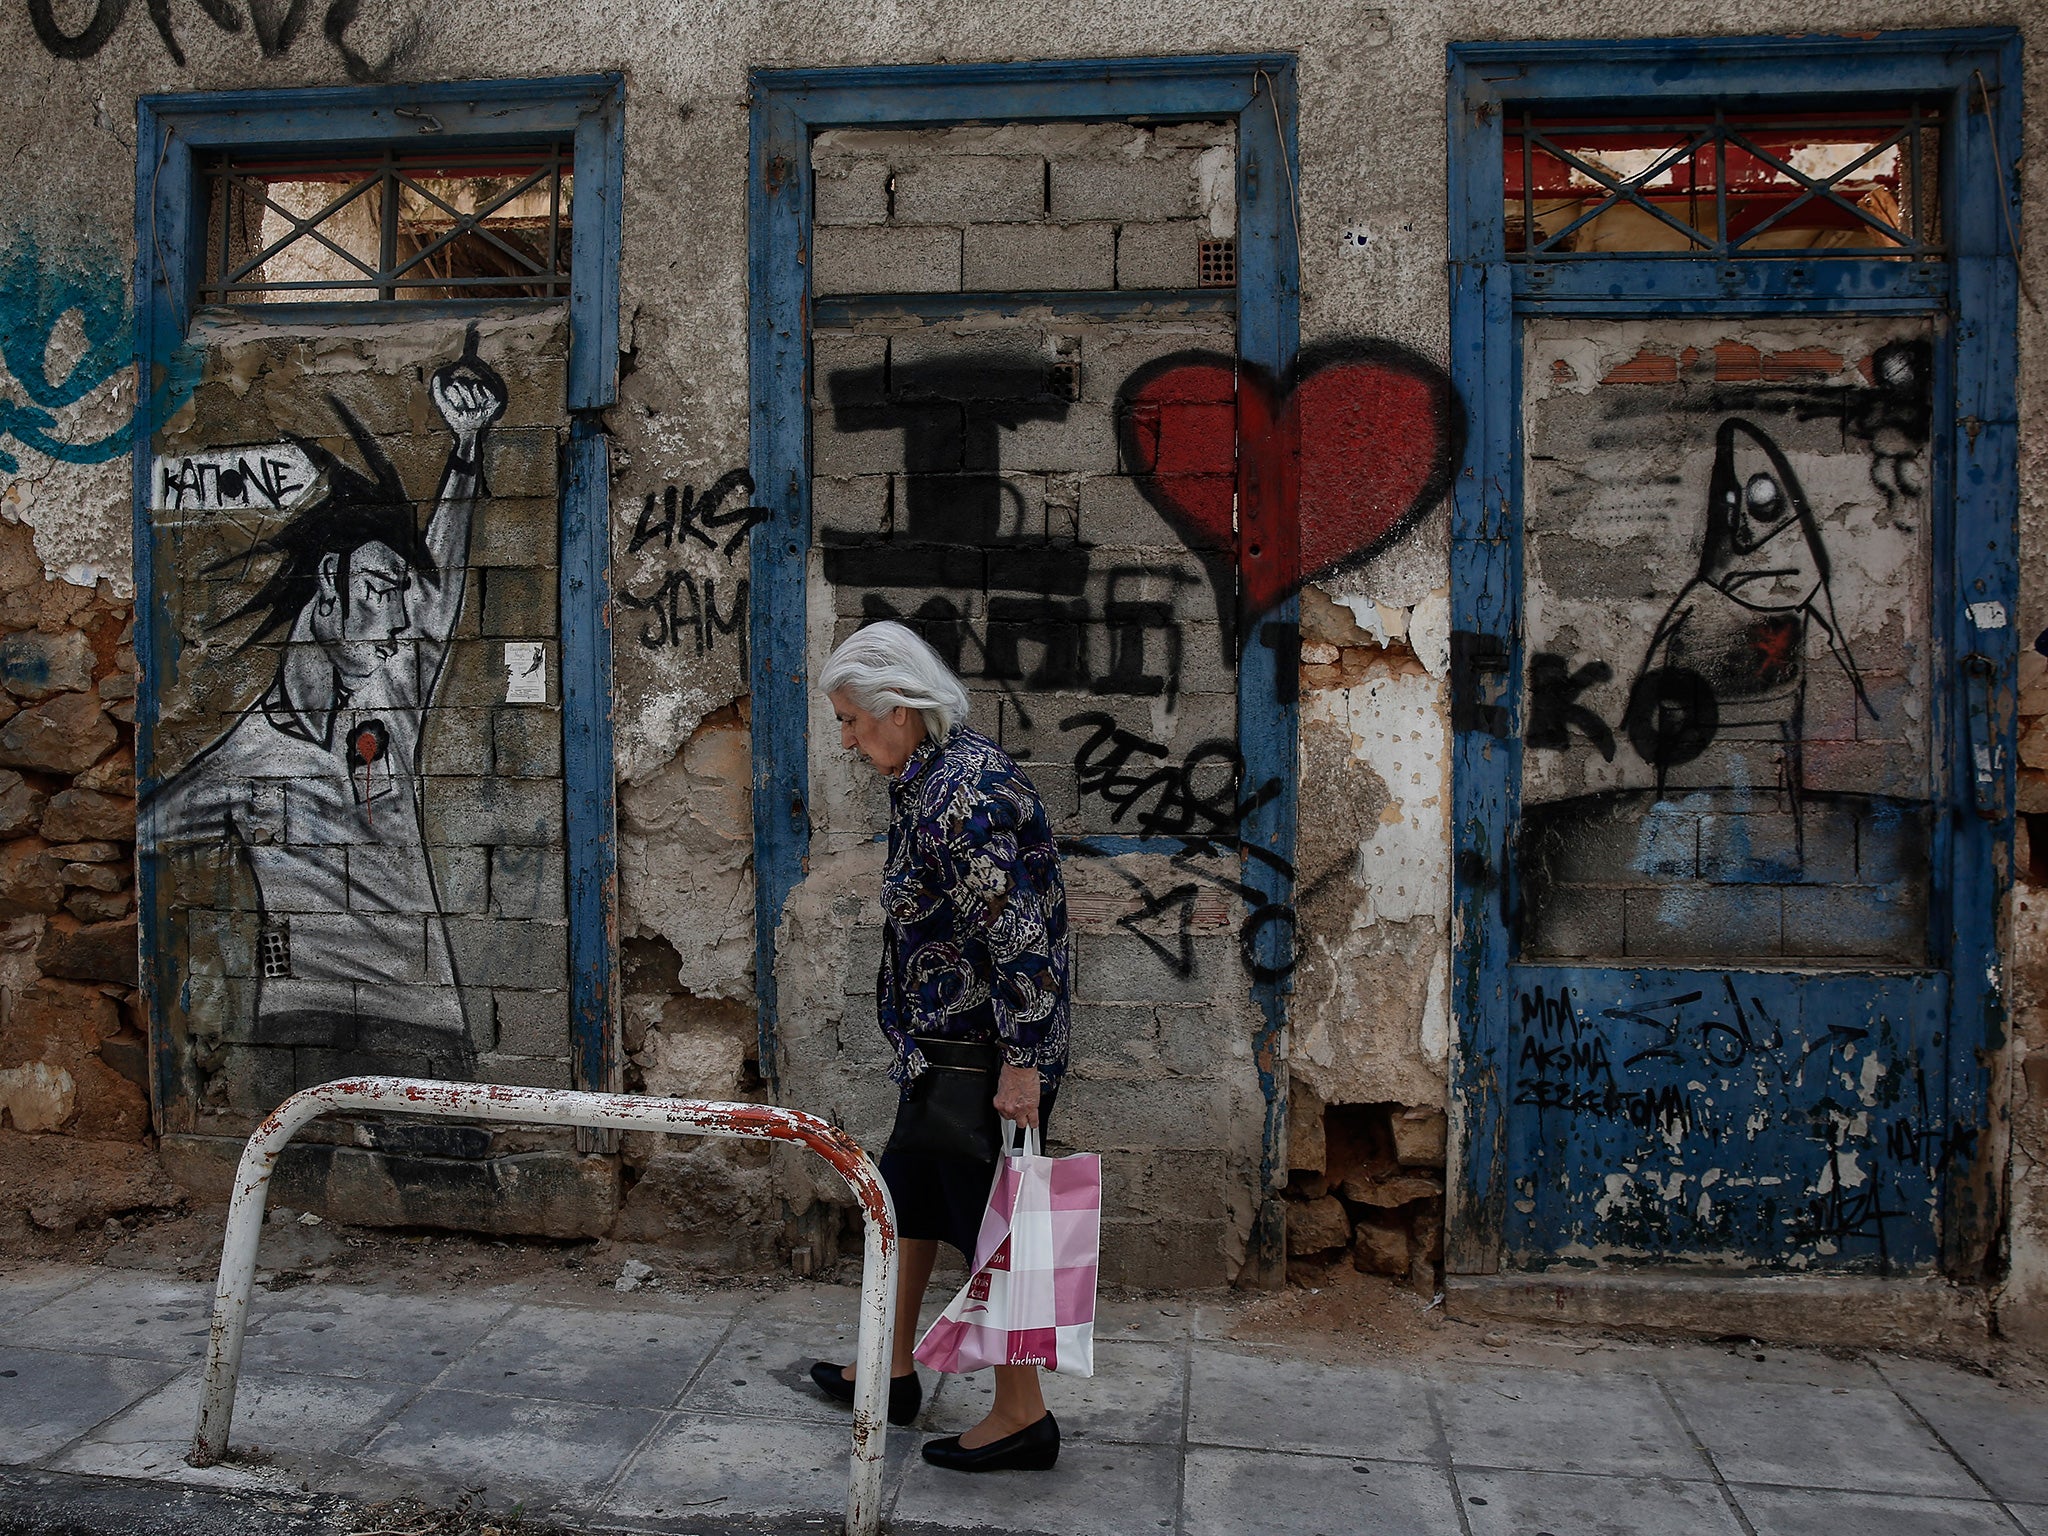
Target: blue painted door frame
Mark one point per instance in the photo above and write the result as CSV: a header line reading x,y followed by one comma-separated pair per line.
x,y
1258,92
172,132
1948,1017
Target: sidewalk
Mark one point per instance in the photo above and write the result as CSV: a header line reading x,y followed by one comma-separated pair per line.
x,y
689,1412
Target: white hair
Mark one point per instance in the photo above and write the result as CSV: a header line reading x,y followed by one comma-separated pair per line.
x,y
885,664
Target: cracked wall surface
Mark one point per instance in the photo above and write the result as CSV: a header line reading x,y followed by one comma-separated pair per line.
x,y
1372,1027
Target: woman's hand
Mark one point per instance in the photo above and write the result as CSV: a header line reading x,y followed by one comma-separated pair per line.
x,y
1017,1095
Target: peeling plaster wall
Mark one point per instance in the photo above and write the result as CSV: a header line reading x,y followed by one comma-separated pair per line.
x,y
1371,1024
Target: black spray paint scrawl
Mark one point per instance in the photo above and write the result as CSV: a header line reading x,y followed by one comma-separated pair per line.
x,y
1728,659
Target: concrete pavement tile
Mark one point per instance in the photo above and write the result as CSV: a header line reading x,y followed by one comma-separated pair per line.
x,y
1104,1490
1134,1396
1818,1437
299,1415
1260,1400
1147,1322
48,1399
329,1331
1563,1421
1232,1492
641,1359
543,1455
706,1466
801,1303
1814,1512
123,1314
1516,1503
764,1365
2000,1432
1799,1367
2033,1517
23,1290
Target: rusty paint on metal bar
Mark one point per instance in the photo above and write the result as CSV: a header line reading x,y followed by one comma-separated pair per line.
x,y
597,1111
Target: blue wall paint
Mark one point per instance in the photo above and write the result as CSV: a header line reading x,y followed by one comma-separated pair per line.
x,y
36,292
1530,1180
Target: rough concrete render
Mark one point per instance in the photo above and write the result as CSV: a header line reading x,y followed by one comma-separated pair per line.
x,y
1091,609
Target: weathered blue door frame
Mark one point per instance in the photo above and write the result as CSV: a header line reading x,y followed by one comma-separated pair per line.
x,y
170,237
1957,1005
1258,92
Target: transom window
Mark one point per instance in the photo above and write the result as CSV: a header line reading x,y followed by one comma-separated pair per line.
x,y
490,224
1722,185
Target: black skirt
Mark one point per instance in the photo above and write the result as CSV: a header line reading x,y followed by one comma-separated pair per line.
x,y
941,1199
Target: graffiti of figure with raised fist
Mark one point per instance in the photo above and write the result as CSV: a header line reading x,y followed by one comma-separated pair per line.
x,y
311,800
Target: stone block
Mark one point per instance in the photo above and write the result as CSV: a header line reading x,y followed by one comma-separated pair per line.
x,y
258,1078
66,734
1380,1246
65,1181
1774,846
1187,1184
526,741
1391,1192
462,877
86,815
849,190
969,189
1848,921
494,953
1156,186
1159,255
114,776
1169,1255
1035,258
1113,511
707,1202
1307,1148
524,1071
855,259
851,508
1317,1226
1082,440
1420,1137
1122,967
467,812
517,531
93,877
526,882
98,906
34,666
869,440
21,804
1569,921
532,1023
1162,1113
519,463
1704,921
560,1195
519,603
31,880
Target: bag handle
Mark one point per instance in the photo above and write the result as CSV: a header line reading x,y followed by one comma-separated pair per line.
x,y
1031,1147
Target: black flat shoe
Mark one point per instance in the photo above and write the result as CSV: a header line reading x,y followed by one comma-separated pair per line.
x,y
906,1393
1032,1449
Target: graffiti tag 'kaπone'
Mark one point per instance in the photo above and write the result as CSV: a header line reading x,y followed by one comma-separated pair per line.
x,y
316,786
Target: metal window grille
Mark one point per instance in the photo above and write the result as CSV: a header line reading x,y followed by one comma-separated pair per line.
x,y
1857,184
1216,263
391,226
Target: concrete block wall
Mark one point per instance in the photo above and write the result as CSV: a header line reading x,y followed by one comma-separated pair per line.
x,y
309,941
1019,207
1712,775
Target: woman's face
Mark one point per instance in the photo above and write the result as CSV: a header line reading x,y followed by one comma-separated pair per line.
x,y
885,740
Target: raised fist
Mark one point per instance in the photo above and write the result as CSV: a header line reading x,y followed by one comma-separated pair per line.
x,y
468,392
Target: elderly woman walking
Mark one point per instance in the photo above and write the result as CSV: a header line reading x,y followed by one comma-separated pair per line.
x,y
973,980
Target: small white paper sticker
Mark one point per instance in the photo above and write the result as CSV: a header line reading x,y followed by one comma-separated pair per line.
x,y
526,672
1989,615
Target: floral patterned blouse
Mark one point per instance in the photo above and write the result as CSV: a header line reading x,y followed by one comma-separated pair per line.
x,y
975,943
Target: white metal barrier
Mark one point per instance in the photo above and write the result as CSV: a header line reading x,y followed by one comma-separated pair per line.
x,y
556,1106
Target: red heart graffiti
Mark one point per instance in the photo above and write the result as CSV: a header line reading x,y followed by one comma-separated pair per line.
x,y
1363,441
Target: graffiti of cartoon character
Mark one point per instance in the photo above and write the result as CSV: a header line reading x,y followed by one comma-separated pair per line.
x,y
1728,659
314,793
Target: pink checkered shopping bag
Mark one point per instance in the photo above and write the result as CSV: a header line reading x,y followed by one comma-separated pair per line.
x,y
1031,1298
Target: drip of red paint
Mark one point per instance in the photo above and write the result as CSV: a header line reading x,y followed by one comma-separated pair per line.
x,y
366,749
